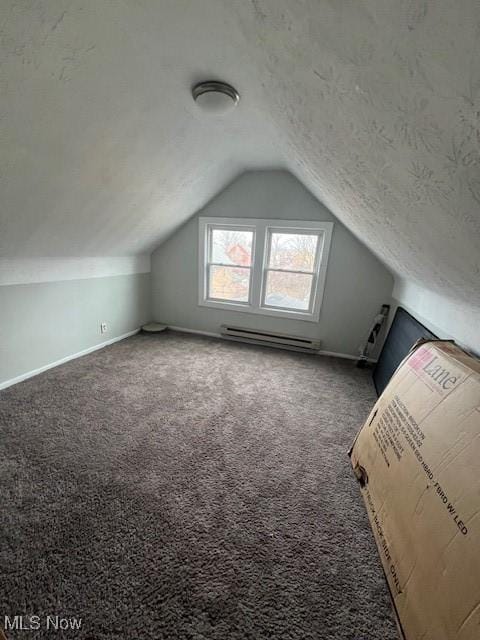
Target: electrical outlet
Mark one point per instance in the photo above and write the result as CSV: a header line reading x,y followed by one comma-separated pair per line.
x,y
103,327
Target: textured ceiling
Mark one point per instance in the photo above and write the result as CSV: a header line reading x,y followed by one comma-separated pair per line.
x,y
373,104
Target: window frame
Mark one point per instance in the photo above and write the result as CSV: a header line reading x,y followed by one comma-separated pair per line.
x,y
208,263
263,228
267,268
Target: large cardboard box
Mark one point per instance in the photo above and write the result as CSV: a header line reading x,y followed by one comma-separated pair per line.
x,y
418,462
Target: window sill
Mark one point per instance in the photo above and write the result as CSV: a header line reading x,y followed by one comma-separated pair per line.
x,y
260,311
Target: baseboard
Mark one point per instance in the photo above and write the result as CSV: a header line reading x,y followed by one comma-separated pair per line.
x,y
346,356
79,354
331,354
51,365
196,331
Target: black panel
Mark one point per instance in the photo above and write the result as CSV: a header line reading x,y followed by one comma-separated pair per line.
x,y
403,334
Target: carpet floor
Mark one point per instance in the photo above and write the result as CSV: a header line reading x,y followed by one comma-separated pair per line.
x,y
180,487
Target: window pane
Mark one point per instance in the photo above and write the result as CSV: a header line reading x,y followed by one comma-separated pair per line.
x,y
229,283
231,247
288,290
293,251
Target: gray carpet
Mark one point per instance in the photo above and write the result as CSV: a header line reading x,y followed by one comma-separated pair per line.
x,y
183,487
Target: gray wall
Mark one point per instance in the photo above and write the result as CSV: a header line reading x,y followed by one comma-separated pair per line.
x,y
447,318
45,322
357,282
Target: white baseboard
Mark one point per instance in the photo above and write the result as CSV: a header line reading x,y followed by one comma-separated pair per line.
x,y
331,354
196,331
51,365
35,372
346,356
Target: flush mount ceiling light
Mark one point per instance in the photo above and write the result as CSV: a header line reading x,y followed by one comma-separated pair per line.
x,y
215,97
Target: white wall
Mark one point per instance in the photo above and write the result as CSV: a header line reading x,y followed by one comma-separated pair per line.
x,y
357,283
31,270
42,322
446,318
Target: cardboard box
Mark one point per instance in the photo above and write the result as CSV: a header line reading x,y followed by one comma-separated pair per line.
x,y
418,462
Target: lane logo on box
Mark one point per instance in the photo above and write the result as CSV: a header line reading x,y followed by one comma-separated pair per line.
x,y
440,376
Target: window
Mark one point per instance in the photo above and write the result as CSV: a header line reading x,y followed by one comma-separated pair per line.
x,y
229,263
290,270
270,267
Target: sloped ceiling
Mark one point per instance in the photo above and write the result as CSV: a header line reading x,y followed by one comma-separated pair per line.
x,y
373,104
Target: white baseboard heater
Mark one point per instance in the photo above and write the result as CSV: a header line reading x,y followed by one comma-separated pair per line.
x,y
270,339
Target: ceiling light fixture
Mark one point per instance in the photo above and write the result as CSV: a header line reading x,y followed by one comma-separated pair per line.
x,y
215,97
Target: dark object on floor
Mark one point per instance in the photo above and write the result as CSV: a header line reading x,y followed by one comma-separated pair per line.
x,y
403,334
378,322
184,487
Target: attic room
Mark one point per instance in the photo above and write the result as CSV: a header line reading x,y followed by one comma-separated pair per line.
x,y
240,319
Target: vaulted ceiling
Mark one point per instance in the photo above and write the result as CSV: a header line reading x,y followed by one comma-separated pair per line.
x,y
373,104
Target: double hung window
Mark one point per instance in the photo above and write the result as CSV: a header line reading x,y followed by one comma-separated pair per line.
x,y
270,267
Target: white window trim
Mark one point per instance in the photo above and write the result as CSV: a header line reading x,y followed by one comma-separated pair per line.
x,y
259,253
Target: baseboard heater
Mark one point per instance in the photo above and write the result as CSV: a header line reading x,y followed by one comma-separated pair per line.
x,y
270,339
